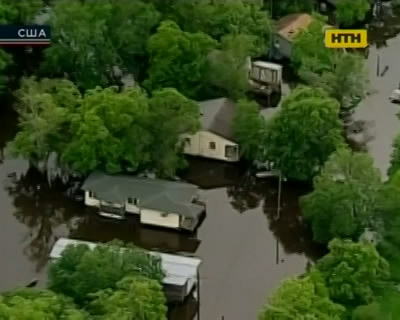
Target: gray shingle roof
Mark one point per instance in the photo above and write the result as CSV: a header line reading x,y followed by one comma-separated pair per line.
x,y
163,195
217,116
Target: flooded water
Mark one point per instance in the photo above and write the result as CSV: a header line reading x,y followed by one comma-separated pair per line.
x,y
246,248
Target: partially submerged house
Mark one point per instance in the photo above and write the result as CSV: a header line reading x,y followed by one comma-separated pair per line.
x,y
157,202
182,273
215,139
288,27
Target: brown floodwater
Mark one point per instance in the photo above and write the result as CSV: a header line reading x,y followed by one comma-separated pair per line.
x,y
246,249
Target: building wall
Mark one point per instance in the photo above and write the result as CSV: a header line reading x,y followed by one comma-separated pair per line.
x,y
155,217
131,208
89,201
199,145
285,46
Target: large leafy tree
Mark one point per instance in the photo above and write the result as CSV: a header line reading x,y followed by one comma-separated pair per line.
x,y
349,12
304,133
44,109
228,70
32,304
179,59
280,8
249,129
395,157
19,12
82,271
136,298
309,49
302,298
220,18
5,62
344,197
354,272
109,132
346,80
171,116
91,39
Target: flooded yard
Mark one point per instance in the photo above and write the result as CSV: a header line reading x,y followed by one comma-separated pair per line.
x,y
247,249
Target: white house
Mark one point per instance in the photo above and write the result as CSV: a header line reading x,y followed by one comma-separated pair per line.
x,y
162,203
215,138
181,273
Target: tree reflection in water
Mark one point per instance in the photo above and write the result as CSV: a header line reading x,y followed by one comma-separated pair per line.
x,y
289,229
44,208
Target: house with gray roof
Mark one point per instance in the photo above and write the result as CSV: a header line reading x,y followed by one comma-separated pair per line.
x,y
215,139
162,203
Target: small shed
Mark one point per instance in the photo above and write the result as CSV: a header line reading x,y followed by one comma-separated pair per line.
x,y
181,272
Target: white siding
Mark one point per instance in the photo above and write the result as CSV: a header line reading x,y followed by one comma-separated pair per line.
x,y
89,201
155,217
285,46
199,145
131,208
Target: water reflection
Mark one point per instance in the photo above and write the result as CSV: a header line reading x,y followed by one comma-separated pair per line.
x,y
8,129
42,208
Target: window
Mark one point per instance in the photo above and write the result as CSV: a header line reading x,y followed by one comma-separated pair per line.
x,y
187,141
164,214
91,194
231,152
212,145
323,7
133,201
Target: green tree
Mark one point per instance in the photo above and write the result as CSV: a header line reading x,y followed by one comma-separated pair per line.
x,y
349,12
249,129
136,298
228,70
300,150
346,80
44,108
221,18
178,59
395,157
33,304
19,12
82,271
91,38
109,132
309,51
5,62
283,7
171,116
344,197
354,272
302,298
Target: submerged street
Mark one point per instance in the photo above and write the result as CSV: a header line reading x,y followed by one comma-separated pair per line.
x,y
247,250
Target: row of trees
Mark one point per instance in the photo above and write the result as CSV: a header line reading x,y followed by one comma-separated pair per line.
x,y
103,128
103,283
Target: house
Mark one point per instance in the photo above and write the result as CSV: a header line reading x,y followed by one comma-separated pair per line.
x,y
162,203
181,273
265,77
288,27
215,139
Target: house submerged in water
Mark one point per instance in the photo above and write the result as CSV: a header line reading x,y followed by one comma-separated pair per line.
x,y
162,203
182,273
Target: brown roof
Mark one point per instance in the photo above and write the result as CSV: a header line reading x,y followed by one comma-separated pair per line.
x,y
289,26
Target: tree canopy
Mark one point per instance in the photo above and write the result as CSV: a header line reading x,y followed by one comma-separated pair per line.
x,y
19,12
179,59
32,304
344,197
249,129
302,298
354,272
91,39
301,150
134,298
349,12
82,271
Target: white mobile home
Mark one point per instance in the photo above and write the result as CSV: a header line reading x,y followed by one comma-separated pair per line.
x,y
162,203
215,138
181,272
